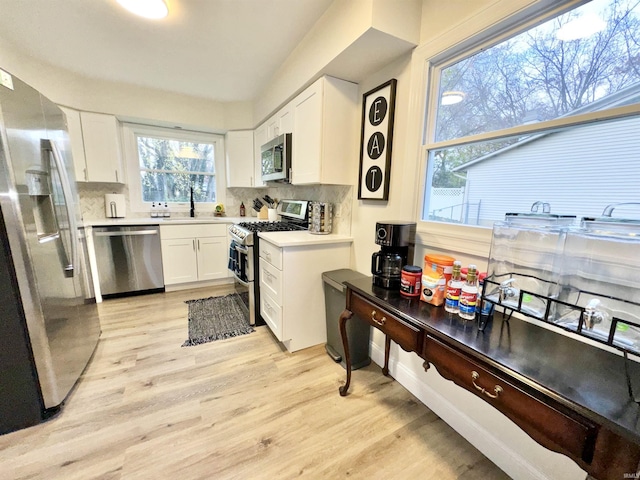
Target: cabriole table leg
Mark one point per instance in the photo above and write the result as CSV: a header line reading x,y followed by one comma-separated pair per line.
x,y
387,348
344,316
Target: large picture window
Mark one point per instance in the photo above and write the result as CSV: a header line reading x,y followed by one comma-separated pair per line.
x,y
549,114
165,164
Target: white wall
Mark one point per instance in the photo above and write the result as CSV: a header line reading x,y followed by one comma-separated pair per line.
x,y
126,101
352,38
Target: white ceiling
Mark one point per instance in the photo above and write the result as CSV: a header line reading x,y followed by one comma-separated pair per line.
x,y
225,50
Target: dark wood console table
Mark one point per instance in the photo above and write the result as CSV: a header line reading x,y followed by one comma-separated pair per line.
x,y
569,396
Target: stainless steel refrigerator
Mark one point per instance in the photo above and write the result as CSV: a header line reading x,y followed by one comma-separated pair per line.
x,y
49,324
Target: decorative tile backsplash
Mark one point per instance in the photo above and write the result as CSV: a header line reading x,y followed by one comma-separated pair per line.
x,y
92,200
339,195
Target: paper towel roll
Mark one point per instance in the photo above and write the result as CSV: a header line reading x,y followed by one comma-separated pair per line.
x,y
114,205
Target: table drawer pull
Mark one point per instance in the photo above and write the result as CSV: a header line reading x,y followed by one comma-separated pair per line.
x,y
378,322
498,389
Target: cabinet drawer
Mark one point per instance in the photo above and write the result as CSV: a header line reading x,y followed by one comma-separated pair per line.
x,y
271,280
545,424
193,230
271,254
404,334
272,314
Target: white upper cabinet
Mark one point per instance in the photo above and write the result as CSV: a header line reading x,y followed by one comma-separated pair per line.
x,y
74,128
281,122
325,133
101,136
285,119
260,137
271,126
240,159
95,146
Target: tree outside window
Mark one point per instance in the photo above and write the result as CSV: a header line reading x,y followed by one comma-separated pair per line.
x,y
169,169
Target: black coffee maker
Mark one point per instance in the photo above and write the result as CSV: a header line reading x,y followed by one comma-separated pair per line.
x,y
398,242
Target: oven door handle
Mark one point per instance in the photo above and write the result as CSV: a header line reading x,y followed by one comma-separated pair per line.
x,y
241,249
246,284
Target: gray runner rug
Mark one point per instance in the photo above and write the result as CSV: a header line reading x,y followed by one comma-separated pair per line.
x,y
216,318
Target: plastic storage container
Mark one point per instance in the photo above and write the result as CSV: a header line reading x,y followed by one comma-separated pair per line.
x,y
435,275
600,278
523,270
358,331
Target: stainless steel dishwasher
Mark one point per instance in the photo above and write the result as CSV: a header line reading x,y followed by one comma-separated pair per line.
x,y
129,259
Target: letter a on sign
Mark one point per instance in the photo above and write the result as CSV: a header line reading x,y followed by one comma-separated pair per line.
x,y
375,144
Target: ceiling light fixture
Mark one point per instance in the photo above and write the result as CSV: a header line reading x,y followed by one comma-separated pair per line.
x,y
154,9
451,97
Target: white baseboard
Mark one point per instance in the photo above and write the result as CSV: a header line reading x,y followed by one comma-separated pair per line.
x,y
510,461
192,285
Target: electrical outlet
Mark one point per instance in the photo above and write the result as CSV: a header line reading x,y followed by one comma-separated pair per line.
x,y
337,211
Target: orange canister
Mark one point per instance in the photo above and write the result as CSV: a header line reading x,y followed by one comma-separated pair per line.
x,y
435,275
410,281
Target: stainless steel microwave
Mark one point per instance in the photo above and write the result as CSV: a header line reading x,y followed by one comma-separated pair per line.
x,y
276,159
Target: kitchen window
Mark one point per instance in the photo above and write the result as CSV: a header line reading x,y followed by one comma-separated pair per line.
x,y
165,164
546,113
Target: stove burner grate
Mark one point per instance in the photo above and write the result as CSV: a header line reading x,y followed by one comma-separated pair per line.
x,y
270,226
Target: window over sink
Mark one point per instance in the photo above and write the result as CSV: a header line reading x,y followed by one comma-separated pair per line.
x,y
165,164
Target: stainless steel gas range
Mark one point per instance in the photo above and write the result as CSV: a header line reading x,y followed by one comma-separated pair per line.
x,y
244,251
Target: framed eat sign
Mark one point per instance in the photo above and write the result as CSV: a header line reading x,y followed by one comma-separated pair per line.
x,y
378,108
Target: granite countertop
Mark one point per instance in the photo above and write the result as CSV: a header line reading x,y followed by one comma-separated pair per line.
x,y
301,238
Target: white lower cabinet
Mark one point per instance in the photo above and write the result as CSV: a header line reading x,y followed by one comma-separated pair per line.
x,y
194,253
291,290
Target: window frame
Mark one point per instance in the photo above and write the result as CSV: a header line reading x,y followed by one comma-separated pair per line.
x,y
130,131
489,28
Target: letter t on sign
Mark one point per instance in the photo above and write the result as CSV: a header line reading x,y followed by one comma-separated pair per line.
x,y
378,108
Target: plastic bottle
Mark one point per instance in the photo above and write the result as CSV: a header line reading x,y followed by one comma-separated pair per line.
x,y
165,210
454,286
242,210
154,211
469,295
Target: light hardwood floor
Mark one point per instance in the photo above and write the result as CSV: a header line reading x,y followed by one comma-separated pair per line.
x,y
242,408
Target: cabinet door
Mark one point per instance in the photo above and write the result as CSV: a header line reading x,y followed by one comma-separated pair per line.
x,y
74,127
102,147
179,261
307,141
272,127
285,119
260,138
272,314
213,256
240,158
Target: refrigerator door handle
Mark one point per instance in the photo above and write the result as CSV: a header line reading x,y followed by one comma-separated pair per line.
x,y
72,260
